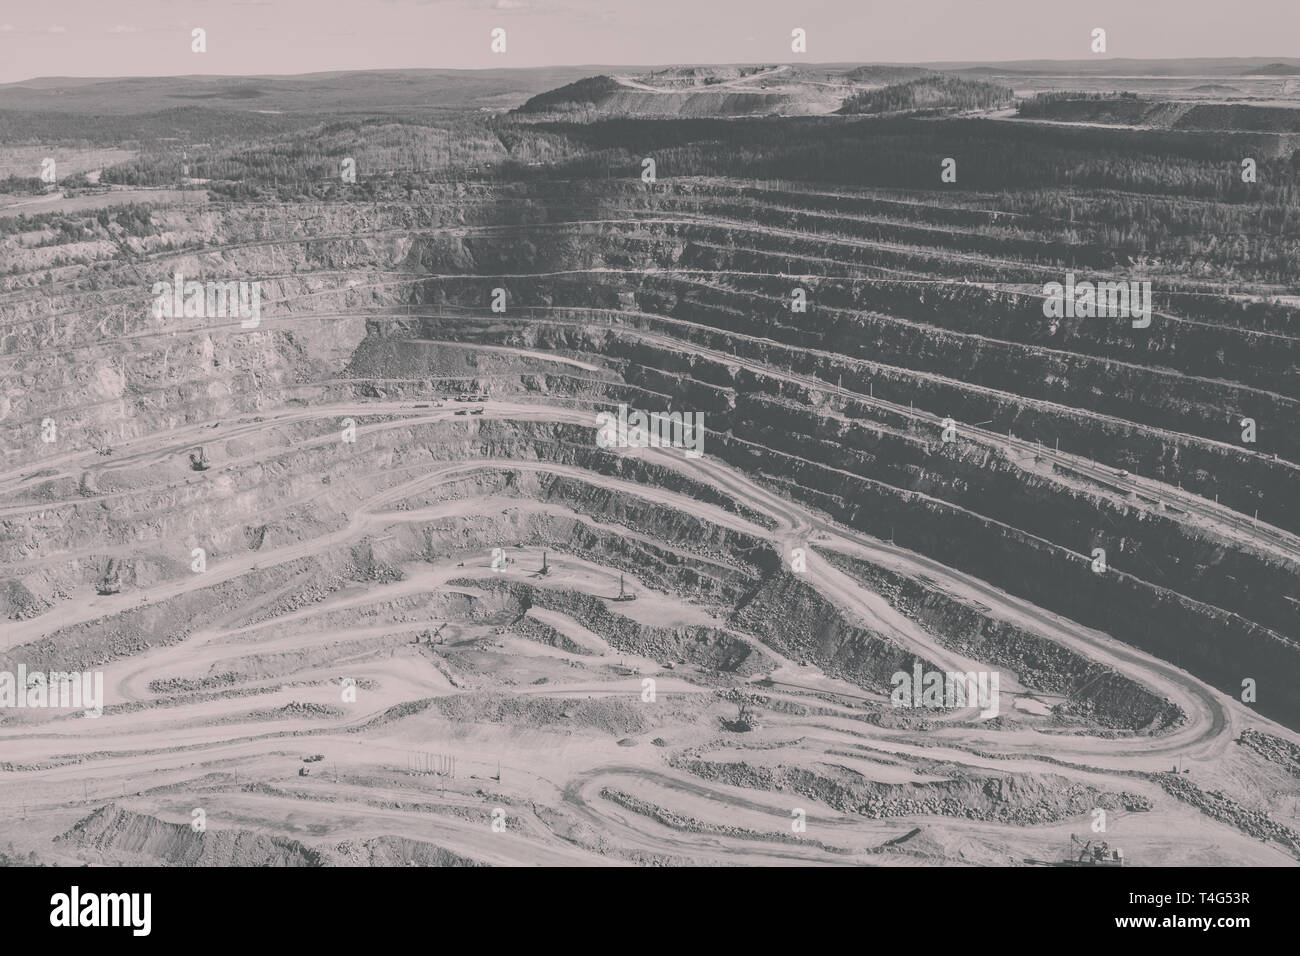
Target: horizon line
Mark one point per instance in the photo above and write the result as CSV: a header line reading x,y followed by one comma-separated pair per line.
x,y
950,64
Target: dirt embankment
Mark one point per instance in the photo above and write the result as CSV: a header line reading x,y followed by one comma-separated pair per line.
x,y
792,617
1097,693
711,648
118,835
1273,749
1222,807
1018,799
677,821
395,851
532,629
609,715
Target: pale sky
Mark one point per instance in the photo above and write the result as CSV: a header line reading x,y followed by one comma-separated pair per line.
x,y
152,37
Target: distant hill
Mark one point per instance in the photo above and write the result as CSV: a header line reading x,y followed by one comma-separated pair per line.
x,y
1227,66
934,91
339,92
1125,109
884,75
688,77
698,92
1275,69
589,91
1120,66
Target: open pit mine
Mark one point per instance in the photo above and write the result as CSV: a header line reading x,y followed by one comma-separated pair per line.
x,y
460,489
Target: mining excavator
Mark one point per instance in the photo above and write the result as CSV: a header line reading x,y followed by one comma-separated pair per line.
x,y
1092,854
111,582
199,460
1081,853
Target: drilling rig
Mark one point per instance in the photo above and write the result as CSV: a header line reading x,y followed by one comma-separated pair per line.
x,y
623,593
